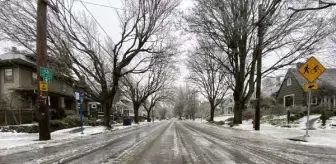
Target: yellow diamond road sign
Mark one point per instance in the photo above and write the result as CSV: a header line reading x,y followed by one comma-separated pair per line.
x,y
312,69
43,86
310,86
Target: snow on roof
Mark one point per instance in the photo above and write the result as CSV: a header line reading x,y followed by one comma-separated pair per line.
x,y
14,56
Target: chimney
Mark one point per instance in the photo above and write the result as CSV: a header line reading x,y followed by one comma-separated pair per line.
x,y
14,49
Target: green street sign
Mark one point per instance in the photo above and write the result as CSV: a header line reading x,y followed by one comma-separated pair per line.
x,y
46,74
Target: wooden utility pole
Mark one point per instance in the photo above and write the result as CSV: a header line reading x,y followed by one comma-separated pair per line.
x,y
41,60
261,31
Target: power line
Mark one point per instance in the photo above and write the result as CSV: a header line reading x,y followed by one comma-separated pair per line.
x,y
96,20
100,5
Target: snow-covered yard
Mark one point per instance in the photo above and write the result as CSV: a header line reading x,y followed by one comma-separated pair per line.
x,y
317,137
10,140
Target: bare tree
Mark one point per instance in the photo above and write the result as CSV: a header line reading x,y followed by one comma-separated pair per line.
x,y
230,26
152,101
138,87
74,39
208,75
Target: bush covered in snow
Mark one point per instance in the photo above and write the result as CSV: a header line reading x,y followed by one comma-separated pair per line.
x,y
20,129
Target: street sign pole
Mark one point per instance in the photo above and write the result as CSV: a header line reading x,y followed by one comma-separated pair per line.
x,y
308,111
311,70
41,52
81,117
81,99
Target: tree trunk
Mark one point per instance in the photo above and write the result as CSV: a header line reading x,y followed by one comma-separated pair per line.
x,y
148,115
212,111
109,97
136,113
106,108
238,112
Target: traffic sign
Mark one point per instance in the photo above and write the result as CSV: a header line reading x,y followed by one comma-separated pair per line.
x,y
46,74
43,86
310,86
312,69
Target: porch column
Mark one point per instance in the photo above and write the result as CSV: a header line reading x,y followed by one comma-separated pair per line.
x,y
329,103
61,102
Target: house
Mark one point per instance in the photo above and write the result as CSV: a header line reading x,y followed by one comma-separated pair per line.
x,y
18,80
227,105
18,75
292,93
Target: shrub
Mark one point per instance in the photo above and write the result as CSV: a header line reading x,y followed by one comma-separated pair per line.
x,y
58,125
293,118
58,114
73,121
248,114
21,129
302,114
274,109
317,109
219,122
230,119
297,109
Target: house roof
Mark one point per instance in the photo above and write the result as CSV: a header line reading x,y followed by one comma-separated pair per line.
x,y
15,57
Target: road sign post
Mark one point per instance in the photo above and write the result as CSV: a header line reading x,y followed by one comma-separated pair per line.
x,y
311,70
308,111
81,99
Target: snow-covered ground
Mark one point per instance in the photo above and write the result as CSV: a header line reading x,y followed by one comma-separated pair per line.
x,y
330,124
11,140
317,137
222,118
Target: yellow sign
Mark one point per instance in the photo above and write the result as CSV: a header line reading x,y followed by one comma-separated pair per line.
x,y
310,86
312,69
43,86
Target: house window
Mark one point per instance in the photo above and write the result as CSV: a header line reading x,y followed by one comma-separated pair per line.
x,y
289,100
289,81
34,78
9,75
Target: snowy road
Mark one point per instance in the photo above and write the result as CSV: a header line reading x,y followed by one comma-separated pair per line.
x,y
176,142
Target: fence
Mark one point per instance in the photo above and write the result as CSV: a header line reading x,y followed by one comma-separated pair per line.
x,y
16,117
